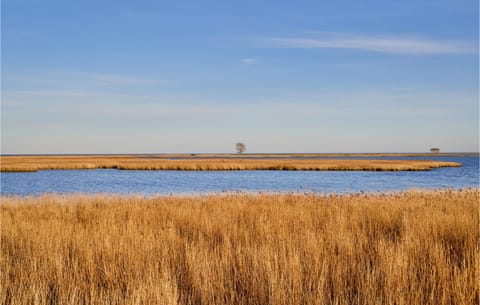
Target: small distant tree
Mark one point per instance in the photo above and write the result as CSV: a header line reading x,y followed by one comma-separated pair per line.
x,y
435,150
240,148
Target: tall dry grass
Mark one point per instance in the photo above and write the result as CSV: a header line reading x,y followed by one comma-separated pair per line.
x,y
415,247
132,162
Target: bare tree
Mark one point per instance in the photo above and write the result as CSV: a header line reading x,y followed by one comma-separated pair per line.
x,y
240,148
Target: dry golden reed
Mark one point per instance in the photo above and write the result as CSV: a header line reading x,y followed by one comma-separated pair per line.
x,y
416,247
132,162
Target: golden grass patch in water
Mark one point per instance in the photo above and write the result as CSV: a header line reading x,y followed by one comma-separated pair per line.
x,y
132,162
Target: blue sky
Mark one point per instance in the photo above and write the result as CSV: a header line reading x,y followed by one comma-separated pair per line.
x,y
199,76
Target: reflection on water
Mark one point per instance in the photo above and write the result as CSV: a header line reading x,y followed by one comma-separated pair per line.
x,y
191,182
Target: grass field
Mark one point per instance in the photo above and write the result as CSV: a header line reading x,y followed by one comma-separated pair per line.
x,y
181,162
416,247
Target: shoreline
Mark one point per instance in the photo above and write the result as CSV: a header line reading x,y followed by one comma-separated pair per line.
x,y
231,194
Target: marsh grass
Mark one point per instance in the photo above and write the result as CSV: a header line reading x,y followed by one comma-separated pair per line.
x,y
35,163
416,247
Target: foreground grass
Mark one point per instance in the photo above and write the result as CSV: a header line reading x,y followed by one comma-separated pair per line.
x,y
133,162
407,248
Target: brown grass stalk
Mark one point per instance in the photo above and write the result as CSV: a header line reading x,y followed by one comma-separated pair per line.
x,y
416,247
132,162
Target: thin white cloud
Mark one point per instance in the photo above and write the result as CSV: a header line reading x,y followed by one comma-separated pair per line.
x,y
249,61
86,80
119,79
396,45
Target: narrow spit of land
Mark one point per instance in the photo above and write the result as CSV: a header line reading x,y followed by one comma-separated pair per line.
x,y
32,163
416,247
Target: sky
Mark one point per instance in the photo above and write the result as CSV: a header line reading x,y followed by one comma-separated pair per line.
x,y
199,76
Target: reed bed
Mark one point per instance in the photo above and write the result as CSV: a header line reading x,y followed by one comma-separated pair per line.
x,y
415,247
35,163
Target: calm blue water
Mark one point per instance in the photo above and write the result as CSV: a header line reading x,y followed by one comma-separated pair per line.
x,y
191,182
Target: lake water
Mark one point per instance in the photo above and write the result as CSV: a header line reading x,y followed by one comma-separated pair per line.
x,y
199,182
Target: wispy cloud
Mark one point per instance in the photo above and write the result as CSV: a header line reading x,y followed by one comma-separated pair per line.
x,y
385,44
120,79
84,80
249,61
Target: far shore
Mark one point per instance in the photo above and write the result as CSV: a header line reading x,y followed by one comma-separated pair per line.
x,y
256,155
